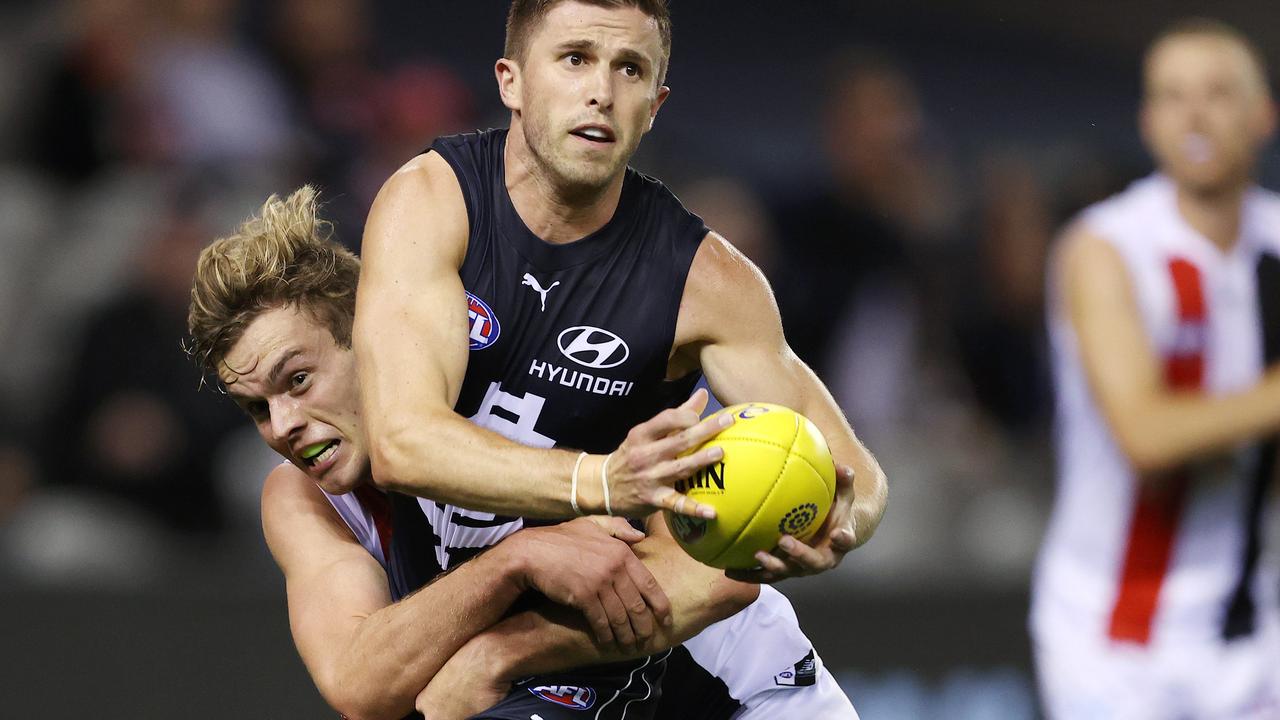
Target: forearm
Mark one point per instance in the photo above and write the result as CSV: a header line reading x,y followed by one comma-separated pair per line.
x,y
394,652
447,458
1174,428
553,637
870,487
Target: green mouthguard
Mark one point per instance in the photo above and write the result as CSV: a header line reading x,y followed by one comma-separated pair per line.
x,y
313,450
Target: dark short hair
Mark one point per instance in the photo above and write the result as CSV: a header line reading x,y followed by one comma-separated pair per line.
x,y
524,15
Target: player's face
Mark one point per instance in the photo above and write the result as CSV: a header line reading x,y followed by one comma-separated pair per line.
x,y
298,386
588,90
1206,113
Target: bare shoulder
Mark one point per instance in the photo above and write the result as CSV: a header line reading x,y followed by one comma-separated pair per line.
x,y
427,173
297,519
287,487
724,290
718,265
1085,262
421,200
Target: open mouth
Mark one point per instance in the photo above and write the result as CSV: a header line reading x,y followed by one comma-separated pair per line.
x,y
1197,148
594,133
318,453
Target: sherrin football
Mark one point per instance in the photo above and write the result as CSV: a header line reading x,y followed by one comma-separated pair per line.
x,y
776,477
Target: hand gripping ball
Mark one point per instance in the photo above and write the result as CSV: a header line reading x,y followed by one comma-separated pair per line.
x,y
776,477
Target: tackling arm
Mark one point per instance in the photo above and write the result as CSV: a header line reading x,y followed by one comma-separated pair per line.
x,y
367,656
1157,427
553,637
370,658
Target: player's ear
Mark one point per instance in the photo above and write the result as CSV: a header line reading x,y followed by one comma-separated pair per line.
x,y
663,92
507,72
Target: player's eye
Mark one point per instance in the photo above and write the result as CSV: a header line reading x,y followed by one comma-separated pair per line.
x,y
575,58
299,379
631,70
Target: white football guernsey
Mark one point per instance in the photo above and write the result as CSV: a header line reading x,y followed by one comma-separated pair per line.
x,y
1182,563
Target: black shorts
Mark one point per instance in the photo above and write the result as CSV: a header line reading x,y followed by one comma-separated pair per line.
x,y
611,692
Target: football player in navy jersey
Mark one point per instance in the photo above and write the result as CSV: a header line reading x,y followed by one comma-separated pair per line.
x,y
553,198
525,292
271,316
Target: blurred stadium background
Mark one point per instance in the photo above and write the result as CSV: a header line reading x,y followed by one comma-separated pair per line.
x,y
898,168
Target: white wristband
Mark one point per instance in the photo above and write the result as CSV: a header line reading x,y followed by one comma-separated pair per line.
x,y
604,484
573,485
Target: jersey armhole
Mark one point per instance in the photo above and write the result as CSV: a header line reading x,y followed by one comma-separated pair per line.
x,y
682,261
468,193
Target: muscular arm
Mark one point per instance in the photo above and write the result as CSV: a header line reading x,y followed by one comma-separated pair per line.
x,y
1157,427
553,638
368,657
411,340
729,325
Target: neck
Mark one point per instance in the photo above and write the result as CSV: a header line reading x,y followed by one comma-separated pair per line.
x,y
554,211
1214,213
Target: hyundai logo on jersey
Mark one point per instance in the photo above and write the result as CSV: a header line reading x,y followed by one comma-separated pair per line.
x,y
484,324
570,696
593,347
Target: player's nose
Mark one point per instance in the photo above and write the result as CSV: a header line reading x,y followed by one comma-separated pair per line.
x,y
287,417
600,89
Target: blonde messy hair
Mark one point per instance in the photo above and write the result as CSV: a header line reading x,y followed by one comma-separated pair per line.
x,y
283,256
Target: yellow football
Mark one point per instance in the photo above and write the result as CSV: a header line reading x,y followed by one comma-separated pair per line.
x,y
776,477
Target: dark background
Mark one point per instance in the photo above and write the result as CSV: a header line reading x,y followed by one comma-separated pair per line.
x,y
897,168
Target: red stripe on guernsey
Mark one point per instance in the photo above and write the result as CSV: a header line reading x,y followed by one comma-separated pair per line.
x,y
1158,507
376,503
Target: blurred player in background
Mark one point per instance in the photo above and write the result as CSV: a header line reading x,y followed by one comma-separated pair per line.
x,y
271,314
525,289
1155,596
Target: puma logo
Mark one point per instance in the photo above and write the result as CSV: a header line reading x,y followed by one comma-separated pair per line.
x,y
532,282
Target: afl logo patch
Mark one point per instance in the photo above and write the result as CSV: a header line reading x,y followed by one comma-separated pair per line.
x,y
570,696
593,347
484,324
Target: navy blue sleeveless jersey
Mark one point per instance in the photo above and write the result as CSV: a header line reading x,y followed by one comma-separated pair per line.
x,y
568,347
569,343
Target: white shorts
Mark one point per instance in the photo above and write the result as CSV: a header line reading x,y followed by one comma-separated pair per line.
x,y
1097,679
768,665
